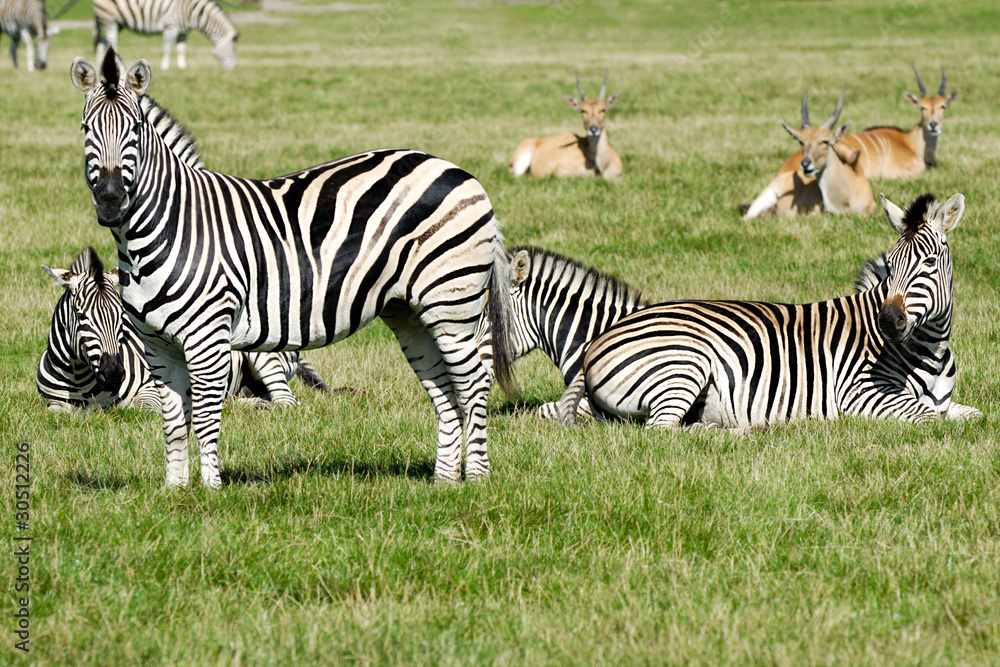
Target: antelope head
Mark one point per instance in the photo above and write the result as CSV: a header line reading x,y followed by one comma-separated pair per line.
x,y
931,106
593,111
816,142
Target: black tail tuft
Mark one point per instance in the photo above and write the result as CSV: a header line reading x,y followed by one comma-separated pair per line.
x,y
310,377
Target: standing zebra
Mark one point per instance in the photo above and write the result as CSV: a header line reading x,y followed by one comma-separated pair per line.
x,y
559,306
22,20
173,18
95,359
882,352
209,261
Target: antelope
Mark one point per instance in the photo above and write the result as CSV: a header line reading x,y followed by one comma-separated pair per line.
x,y
890,152
589,154
828,177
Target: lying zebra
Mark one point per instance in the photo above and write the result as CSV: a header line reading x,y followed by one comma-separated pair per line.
x,y
736,364
95,358
559,306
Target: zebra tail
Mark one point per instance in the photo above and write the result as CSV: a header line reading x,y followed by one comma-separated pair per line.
x,y
499,311
569,403
310,377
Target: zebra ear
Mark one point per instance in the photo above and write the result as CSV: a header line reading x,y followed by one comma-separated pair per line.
x,y
112,276
83,75
138,77
948,215
519,268
63,277
894,214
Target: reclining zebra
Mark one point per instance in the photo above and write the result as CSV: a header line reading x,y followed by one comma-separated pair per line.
x,y
736,364
95,358
22,20
559,306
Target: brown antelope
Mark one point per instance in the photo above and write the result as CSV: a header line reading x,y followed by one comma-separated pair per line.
x,y
890,152
589,154
829,176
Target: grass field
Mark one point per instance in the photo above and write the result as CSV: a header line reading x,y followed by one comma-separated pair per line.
x,y
849,542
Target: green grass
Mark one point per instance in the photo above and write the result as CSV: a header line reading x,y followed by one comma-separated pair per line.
x,y
849,542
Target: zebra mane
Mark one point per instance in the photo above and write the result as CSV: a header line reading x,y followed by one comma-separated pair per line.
x,y
89,263
570,269
872,273
110,73
920,210
173,133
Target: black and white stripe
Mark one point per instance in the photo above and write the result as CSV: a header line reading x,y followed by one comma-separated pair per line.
x,y
209,261
95,358
882,352
22,20
559,306
173,18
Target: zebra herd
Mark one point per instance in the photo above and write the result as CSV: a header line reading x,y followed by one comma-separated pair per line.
x,y
23,20
219,273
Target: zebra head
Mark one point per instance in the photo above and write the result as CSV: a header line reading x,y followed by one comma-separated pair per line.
x,y
112,120
96,325
919,265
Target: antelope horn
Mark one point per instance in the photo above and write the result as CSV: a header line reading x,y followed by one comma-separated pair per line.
x,y
920,82
944,82
832,120
805,109
604,86
579,86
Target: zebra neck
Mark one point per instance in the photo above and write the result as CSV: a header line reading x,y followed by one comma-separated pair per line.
x,y
214,22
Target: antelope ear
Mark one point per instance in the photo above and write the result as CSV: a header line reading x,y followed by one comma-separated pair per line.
x,y
63,277
610,102
841,131
572,102
912,99
112,276
519,268
894,214
847,156
138,76
948,216
83,75
795,134
951,98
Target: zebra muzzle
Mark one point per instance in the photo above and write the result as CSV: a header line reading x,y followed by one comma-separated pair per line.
x,y
892,320
109,195
111,373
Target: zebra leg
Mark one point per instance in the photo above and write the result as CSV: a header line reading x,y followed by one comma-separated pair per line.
x,y
170,376
15,39
170,33
268,367
209,367
425,359
29,49
182,51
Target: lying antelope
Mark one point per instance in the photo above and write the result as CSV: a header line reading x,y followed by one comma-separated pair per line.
x,y
828,177
890,152
589,154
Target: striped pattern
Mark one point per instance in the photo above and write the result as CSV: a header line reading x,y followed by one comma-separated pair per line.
x,y
95,358
882,352
559,306
210,261
23,20
173,18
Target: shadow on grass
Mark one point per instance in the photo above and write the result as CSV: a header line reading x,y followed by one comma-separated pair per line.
x,y
285,469
103,483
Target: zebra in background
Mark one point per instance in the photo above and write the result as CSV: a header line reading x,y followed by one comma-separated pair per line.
x,y
559,306
173,18
882,352
94,358
22,20
209,261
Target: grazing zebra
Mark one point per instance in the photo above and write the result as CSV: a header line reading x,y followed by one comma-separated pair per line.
x,y
208,261
173,18
883,352
559,306
95,359
22,20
